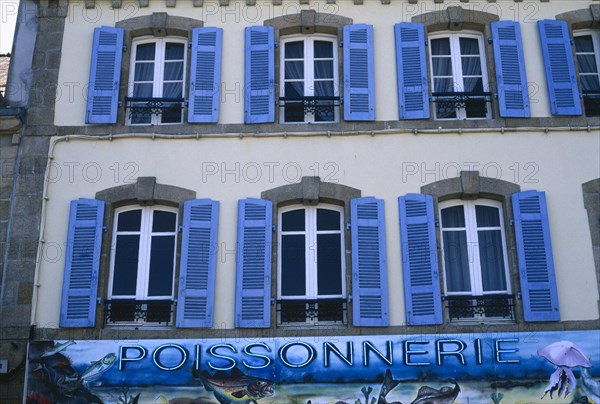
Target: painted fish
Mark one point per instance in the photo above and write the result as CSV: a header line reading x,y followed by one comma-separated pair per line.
x,y
236,388
589,385
429,395
57,348
96,368
388,385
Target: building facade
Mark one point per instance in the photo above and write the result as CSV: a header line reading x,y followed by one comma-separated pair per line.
x,y
294,201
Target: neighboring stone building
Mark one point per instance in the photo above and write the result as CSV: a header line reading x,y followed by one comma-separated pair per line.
x,y
312,200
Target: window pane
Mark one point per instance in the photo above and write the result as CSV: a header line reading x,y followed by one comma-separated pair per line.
x,y
492,260
328,219
471,66
469,46
143,90
456,261
174,71
163,221
487,216
440,46
145,51
130,220
293,260
174,51
294,70
293,220
473,85
329,264
323,49
144,72
172,90
584,44
443,85
294,90
590,83
453,217
442,66
324,89
160,278
126,265
324,69
294,50
171,113
587,64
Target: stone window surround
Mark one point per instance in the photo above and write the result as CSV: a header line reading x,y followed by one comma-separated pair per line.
x,y
470,186
145,192
308,22
157,25
591,202
455,18
311,191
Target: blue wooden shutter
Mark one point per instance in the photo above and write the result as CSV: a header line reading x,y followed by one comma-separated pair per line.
x,y
422,295
534,250
253,264
205,75
359,71
513,97
105,76
411,68
560,68
369,263
198,263
82,261
259,86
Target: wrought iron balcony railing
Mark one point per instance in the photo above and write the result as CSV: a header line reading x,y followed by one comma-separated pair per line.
x,y
480,307
591,101
145,107
327,311
138,312
295,108
475,103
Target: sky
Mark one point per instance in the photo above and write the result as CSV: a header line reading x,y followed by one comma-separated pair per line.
x,y
8,18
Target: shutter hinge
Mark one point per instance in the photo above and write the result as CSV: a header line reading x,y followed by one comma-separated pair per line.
x,y
426,42
175,302
189,45
274,228
120,103
124,48
348,226
443,297
349,298
436,223
180,229
276,44
104,229
490,41
495,96
341,44
98,300
519,297
272,301
511,222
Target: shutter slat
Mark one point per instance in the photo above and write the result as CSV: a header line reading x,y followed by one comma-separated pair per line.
x,y
105,75
513,97
536,262
411,69
560,67
82,262
369,263
198,264
253,264
422,294
259,86
205,75
359,82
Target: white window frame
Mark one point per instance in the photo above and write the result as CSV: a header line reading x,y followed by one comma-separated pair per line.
x,y
144,251
309,78
473,246
595,34
457,74
159,63
310,232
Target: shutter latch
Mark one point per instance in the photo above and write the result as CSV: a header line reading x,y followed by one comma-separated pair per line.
x,y
348,226
104,229
124,48
272,301
490,41
511,222
180,229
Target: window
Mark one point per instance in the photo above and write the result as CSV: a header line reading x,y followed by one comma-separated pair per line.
x,y
474,259
459,76
142,265
309,77
587,50
156,81
311,269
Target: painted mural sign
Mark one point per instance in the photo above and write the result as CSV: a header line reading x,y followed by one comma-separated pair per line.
x,y
542,367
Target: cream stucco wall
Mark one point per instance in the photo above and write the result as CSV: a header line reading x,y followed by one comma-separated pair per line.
x,y
228,169
80,24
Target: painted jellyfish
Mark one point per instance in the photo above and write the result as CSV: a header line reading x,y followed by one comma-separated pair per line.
x,y
565,355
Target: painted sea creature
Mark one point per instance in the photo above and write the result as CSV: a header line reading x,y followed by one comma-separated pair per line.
x,y
57,348
590,386
429,395
97,368
565,355
388,385
236,387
